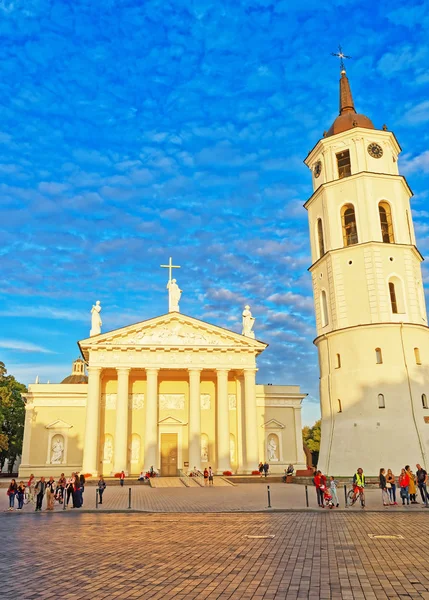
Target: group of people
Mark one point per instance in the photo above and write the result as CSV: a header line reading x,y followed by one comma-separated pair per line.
x,y
407,484
263,468
64,491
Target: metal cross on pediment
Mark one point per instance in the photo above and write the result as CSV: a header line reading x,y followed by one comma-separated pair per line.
x,y
170,268
340,54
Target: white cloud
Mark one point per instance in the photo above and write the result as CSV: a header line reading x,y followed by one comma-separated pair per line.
x,y
411,164
418,113
24,346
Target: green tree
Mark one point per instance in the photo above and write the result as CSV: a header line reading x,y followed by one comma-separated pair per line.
x,y
12,416
311,437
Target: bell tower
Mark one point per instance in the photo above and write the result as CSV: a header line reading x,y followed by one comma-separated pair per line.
x,y
372,331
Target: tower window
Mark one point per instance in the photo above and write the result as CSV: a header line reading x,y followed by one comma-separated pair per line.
x,y
348,218
378,356
417,356
320,240
386,223
396,296
338,362
340,408
324,308
424,401
381,402
344,165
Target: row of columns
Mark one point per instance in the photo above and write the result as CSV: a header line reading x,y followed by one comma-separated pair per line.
x,y
151,451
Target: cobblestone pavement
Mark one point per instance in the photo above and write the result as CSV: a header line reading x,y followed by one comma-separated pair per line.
x,y
244,497
157,556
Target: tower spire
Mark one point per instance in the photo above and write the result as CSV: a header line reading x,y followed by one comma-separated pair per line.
x,y
346,98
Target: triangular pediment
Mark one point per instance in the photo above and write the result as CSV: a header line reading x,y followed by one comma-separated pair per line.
x,y
171,330
273,424
171,421
59,424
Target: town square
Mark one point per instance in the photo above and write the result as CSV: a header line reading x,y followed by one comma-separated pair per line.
x,y
214,341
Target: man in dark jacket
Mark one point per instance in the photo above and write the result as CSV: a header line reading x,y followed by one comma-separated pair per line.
x,y
40,492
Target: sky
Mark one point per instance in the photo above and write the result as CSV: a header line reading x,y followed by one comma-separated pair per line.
x,y
134,131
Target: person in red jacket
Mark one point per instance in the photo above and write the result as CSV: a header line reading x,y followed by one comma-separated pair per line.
x,y
404,484
317,480
122,478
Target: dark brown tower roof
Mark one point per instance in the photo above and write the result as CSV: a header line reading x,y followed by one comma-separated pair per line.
x,y
348,117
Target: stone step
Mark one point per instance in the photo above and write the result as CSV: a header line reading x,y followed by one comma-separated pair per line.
x,y
166,482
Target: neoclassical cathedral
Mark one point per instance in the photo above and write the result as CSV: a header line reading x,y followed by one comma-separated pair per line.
x,y
372,331
172,393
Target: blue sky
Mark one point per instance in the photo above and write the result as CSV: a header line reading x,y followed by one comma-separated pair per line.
x,y
132,131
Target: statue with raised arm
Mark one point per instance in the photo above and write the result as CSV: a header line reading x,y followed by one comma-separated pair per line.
x,y
248,322
174,294
96,322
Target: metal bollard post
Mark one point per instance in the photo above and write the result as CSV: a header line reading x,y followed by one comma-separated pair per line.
x,y
306,495
96,498
269,496
64,498
129,497
345,496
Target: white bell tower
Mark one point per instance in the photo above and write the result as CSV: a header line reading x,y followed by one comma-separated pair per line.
x,y
372,333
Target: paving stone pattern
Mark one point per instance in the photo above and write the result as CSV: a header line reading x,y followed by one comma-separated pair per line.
x,y
208,556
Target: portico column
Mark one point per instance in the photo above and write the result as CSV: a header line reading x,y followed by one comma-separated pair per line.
x,y
222,434
29,412
194,419
92,424
151,458
121,427
250,417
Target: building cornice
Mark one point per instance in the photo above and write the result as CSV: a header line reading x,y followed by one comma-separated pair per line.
x,y
367,326
360,245
334,182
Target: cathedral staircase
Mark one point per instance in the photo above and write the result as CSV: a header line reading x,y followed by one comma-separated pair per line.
x,y
185,481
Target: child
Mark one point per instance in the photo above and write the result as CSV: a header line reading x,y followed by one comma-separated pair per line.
x,y
210,476
333,487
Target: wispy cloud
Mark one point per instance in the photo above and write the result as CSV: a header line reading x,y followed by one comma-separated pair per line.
x,y
24,346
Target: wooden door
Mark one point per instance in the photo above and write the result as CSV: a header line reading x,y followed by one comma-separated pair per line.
x,y
169,454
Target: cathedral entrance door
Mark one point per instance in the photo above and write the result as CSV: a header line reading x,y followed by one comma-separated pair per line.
x,y
169,454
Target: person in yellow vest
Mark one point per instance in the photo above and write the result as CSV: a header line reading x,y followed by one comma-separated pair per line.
x,y
358,486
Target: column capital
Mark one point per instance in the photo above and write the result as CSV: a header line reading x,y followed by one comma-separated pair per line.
x,y
92,369
194,371
152,371
123,370
250,371
223,371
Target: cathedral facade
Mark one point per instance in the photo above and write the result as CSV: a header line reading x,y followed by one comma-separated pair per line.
x,y
372,331
172,393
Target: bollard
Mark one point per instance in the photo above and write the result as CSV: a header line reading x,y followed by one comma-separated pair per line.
x,y
64,498
269,496
306,495
96,498
129,497
345,496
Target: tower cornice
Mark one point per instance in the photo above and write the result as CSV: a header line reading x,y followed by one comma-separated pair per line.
x,y
333,139
383,245
335,182
334,332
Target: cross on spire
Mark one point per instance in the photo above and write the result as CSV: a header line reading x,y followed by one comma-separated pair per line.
x,y
340,54
170,267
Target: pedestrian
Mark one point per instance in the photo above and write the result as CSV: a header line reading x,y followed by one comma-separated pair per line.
x,y
81,487
317,483
266,468
404,483
206,476
122,477
20,494
76,494
50,493
333,487
391,486
61,484
261,468
383,487
40,490
422,478
211,476
101,488
69,490
11,492
412,489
